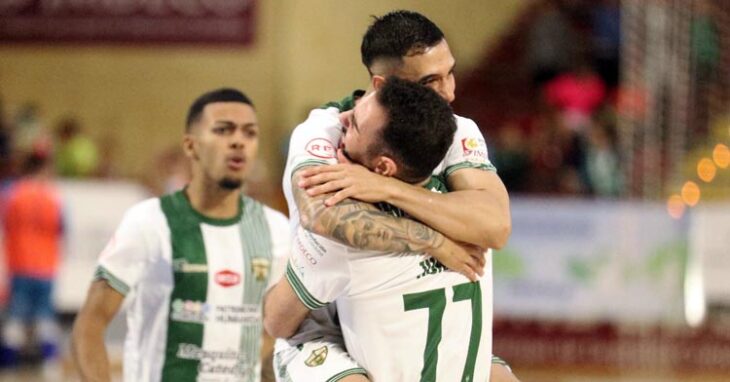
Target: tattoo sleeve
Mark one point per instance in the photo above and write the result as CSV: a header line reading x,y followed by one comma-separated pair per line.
x,y
362,225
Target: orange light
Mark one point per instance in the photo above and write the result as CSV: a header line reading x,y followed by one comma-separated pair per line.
x,y
675,206
691,193
721,155
706,170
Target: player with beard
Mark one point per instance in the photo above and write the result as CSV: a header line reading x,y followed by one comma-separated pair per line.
x,y
193,265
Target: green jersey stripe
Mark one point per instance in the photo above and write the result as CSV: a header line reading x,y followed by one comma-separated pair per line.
x,y
304,296
256,245
187,300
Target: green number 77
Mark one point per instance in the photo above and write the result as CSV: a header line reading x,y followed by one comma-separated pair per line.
x,y
435,301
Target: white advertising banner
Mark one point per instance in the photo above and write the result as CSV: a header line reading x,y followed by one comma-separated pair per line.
x,y
588,260
92,211
710,241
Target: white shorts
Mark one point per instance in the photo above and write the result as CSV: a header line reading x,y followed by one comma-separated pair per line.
x,y
314,361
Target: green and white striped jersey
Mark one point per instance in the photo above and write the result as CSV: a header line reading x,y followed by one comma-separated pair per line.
x,y
392,339
194,287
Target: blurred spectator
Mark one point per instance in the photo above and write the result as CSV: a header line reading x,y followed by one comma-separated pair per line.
x,y
30,133
706,52
551,43
557,156
77,155
606,28
576,94
602,160
5,144
32,232
511,157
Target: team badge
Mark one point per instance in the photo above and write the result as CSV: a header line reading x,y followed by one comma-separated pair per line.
x,y
317,357
321,148
260,268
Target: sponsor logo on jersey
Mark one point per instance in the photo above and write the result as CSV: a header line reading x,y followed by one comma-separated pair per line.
x,y
321,148
260,268
190,311
227,278
182,265
317,357
474,149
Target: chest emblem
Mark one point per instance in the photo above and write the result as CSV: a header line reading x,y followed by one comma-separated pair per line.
x,y
260,268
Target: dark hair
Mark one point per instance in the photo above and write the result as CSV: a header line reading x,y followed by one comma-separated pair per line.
x,y
397,34
420,128
213,96
35,162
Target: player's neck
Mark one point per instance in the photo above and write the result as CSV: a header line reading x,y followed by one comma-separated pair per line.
x,y
213,200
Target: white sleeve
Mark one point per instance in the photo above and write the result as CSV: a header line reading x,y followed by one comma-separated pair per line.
x,y
468,150
280,244
315,140
318,269
123,260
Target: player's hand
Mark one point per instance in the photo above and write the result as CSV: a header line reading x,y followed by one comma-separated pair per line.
x,y
345,180
464,258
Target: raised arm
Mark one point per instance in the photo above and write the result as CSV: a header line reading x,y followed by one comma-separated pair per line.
x,y
87,339
362,225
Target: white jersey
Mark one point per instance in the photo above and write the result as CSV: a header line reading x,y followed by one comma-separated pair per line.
x,y
194,287
314,142
404,316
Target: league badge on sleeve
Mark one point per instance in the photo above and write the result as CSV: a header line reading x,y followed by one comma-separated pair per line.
x,y
474,149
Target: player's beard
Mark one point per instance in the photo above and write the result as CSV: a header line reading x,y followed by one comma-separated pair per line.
x,y
230,184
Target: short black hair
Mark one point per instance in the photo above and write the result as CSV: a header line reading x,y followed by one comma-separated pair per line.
x,y
213,96
397,34
419,131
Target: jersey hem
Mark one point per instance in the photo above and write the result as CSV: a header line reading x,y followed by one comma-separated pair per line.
x,y
114,282
301,291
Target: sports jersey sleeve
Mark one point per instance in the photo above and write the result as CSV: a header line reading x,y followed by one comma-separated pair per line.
x,y
315,141
123,260
318,269
280,244
468,150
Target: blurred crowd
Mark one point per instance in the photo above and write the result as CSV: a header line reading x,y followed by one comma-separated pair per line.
x,y
74,152
555,94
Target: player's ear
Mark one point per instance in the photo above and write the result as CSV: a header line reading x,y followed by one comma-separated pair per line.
x,y
188,146
385,166
377,81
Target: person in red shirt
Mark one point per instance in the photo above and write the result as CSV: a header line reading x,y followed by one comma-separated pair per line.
x,y
32,232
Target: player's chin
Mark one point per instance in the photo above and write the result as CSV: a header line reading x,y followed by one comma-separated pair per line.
x,y
231,182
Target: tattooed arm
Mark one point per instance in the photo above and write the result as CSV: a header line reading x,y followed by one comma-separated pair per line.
x,y
361,225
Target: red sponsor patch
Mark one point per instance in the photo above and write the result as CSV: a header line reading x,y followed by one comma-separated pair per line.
x,y
321,148
227,278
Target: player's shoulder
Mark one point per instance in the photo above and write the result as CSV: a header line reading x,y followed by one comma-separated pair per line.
x,y
464,121
320,116
147,211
